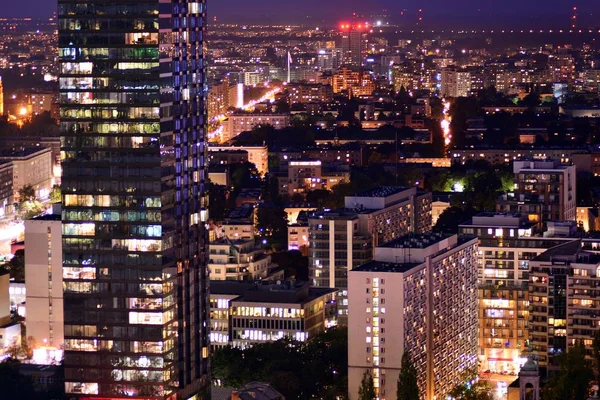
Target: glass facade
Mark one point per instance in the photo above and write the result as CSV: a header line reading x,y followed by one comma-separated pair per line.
x,y
132,106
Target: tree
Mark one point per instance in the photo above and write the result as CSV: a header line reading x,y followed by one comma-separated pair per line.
x,y
574,378
478,390
366,391
316,369
16,266
272,224
452,217
408,388
27,193
55,194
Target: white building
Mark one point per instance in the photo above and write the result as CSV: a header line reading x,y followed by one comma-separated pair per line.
x,y
44,283
419,295
455,83
32,166
238,123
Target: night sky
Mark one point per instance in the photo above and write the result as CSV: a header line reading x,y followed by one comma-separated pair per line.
x,y
434,11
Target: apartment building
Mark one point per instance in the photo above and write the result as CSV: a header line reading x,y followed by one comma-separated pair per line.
x,y
239,260
563,294
238,123
340,240
418,295
247,313
544,190
43,283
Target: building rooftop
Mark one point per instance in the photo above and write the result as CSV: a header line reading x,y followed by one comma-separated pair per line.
x,y
380,266
22,152
382,191
289,291
417,240
565,249
243,212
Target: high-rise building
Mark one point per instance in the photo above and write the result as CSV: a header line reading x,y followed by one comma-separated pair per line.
x,y
43,280
455,83
354,43
563,301
544,190
340,240
132,102
419,296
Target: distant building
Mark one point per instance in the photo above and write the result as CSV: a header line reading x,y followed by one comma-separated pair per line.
x,y
305,175
355,83
257,155
455,83
247,313
354,43
238,123
418,295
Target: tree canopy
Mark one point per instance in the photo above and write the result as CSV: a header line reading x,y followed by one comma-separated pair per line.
x,y
317,368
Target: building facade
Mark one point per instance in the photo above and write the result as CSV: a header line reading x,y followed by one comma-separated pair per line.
x,y
243,314
43,284
544,190
418,295
132,106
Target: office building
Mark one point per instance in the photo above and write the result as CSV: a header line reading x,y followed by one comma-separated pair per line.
x,y
248,313
132,105
340,240
544,190
44,286
257,155
354,43
418,295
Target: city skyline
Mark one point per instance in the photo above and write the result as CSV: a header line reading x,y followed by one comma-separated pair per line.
x,y
552,13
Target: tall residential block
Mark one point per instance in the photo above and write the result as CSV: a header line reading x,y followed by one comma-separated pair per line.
x,y
43,283
133,120
418,295
340,240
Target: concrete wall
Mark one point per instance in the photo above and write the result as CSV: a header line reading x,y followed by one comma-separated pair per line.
x,y
43,256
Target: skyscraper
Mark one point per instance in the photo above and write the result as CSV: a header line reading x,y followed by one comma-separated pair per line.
x,y
354,43
132,90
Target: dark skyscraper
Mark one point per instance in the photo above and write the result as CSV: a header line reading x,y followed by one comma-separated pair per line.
x,y
132,90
